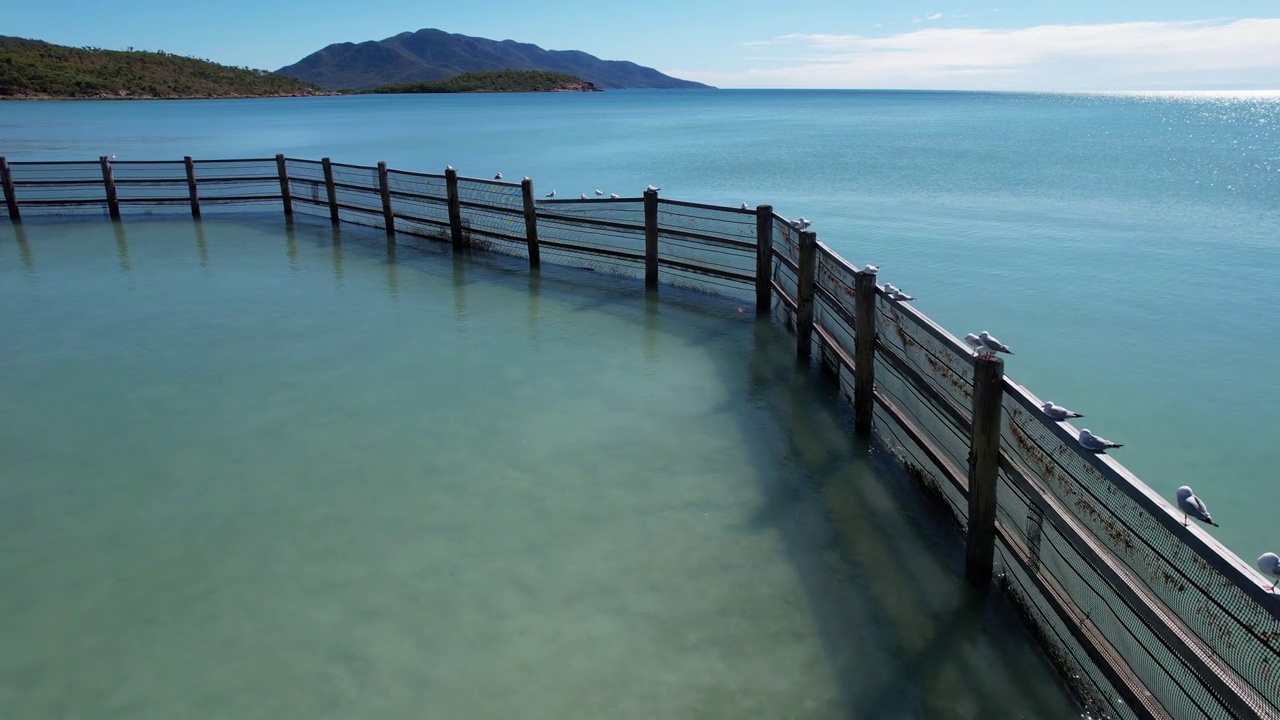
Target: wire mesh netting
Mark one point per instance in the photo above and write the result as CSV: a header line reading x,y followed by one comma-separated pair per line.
x,y
237,181
151,182
420,203
58,184
573,233
707,248
1201,588
493,216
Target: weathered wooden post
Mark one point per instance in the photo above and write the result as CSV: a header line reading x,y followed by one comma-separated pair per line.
x,y
764,259
192,192
109,181
283,171
10,198
330,191
651,238
984,464
384,189
864,351
455,206
530,223
808,266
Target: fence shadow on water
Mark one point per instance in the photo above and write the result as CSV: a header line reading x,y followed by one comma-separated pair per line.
x,y
1145,618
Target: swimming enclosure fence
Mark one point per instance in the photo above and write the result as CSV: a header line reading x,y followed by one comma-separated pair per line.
x,y
1144,617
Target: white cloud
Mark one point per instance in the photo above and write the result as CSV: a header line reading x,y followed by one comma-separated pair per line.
x,y
1116,56
935,16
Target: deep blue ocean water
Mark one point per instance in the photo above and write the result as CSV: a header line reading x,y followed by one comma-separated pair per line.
x,y
1126,246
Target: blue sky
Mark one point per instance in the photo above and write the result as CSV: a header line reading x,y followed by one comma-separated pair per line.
x,y
995,45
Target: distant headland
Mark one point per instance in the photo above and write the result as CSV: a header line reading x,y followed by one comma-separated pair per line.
x,y
495,81
431,55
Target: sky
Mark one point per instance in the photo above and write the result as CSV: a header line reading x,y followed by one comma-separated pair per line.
x,y
1046,45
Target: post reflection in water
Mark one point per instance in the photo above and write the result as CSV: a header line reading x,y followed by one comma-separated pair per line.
x,y
460,260
652,323
336,243
122,245
535,308
24,249
291,243
393,272
202,246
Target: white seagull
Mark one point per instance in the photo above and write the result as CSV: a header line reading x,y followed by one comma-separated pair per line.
x,y
1269,564
652,188
1192,506
744,207
871,270
551,194
1096,443
890,289
615,196
900,296
447,168
1057,412
599,192
498,176
584,196
993,345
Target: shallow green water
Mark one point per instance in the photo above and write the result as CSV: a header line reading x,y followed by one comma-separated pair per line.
x,y
252,473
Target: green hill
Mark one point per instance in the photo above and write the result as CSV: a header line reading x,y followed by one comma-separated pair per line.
x,y
495,81
33,68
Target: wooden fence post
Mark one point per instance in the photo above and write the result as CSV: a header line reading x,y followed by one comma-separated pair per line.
x,y
10,198
864,341
283,171
530,223
808,266
764,259
192,192
651,238
384,188
109,181
984,463
330,191
455,206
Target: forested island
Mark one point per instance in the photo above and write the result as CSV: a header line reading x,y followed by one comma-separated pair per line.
x,y
495,81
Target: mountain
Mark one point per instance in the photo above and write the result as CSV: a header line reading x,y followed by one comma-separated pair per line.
x,y
34,68
430,55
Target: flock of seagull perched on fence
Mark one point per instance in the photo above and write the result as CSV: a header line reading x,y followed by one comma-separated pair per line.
x,y
985,345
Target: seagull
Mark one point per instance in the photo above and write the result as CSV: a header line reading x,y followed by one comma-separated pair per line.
x,y
1269,564
871,270
890,289
652,188
551,194
615,196
1097,444
498,176
1057,412
447,168
900,296
993,345
584,196
599,192
1192,506
744,207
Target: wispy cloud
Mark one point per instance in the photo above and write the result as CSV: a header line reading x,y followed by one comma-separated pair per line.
x,y
1115,56
935,16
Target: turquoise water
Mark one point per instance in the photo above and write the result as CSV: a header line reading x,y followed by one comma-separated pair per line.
x,y
264,471
1124,246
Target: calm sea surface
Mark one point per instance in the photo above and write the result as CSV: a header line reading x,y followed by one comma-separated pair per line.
x,y
258,473
1126,247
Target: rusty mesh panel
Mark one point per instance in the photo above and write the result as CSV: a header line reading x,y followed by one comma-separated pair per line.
x,y
834,300
728,250
1090,686
152,182
306,187
786,257
945,370
786,239
1213,606
492,216
933,479
237,180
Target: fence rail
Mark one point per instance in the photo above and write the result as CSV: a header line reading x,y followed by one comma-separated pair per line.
x,y
1145,617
